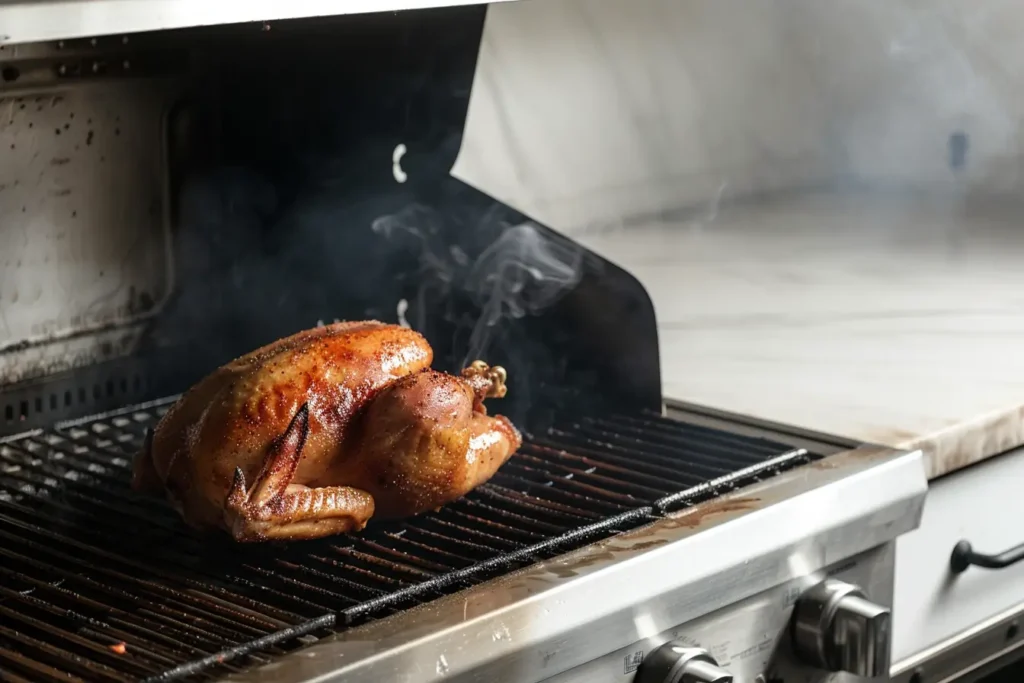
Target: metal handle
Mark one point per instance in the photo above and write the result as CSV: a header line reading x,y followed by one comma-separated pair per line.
x,y
964,556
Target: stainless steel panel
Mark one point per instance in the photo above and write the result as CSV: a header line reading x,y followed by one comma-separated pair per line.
x,y
750,639
85,252
565,612
969,655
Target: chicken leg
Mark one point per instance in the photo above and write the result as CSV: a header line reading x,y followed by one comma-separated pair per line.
x,y
275,508
426,440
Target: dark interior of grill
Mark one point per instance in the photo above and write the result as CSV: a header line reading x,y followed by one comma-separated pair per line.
x,y
285,212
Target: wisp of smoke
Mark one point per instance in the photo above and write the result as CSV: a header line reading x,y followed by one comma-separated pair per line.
x,y
417,228
521,272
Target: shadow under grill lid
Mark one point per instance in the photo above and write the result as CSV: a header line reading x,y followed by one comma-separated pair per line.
x,y
100,584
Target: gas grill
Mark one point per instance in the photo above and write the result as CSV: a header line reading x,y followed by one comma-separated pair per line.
x,y
629,539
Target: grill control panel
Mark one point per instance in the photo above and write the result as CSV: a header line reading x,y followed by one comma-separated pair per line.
x,y
843,635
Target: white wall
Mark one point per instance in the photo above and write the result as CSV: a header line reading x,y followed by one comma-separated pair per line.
x,y
593,112
905,74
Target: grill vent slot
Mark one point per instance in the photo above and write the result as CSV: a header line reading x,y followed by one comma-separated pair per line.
x,y
41,404
101,584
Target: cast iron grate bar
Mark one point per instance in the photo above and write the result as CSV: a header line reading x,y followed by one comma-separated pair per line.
x,y
98,583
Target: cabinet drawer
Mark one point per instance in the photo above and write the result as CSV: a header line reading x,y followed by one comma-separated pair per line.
x,y
983,504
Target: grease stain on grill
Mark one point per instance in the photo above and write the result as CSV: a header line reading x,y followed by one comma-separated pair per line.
x,y
88,567
695,517
607,551
569,568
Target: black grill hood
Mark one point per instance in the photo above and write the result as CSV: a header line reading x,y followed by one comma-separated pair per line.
x,y
282,156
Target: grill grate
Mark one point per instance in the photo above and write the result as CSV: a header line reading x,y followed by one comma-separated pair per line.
x,y
99,584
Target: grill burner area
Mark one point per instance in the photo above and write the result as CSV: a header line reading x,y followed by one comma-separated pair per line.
x,y
100,584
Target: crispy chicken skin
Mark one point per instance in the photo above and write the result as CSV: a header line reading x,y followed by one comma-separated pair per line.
x,y
316,433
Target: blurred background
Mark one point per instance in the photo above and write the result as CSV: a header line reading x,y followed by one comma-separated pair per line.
x,y
820,197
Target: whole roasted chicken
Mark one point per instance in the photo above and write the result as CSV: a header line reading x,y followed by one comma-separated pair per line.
x,y
316,433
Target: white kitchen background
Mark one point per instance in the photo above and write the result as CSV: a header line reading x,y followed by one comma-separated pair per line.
x,y
783,177
587,112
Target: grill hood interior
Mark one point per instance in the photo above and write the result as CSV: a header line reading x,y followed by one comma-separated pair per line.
x,y
308,180
290,212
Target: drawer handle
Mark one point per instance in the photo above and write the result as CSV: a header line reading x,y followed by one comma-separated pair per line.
x,y
964,556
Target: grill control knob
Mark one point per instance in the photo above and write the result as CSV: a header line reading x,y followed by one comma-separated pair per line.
x,y
675,662
835,628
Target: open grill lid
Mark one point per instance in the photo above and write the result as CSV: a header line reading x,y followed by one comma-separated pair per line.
x,y
293,211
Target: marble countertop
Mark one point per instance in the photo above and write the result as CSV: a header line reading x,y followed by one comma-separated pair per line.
x,y
884,320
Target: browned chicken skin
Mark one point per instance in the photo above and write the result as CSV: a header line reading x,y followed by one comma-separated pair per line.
x,y
316,433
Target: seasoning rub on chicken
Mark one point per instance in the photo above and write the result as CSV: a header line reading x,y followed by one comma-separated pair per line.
x,y
316,433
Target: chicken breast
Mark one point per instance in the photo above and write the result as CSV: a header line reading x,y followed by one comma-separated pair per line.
x,y
318,432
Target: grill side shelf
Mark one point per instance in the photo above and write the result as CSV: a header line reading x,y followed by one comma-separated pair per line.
x,y
99,583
